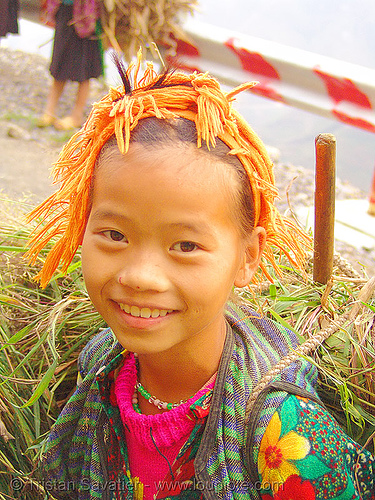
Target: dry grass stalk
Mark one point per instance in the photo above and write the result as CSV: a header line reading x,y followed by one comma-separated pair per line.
x,y
127,26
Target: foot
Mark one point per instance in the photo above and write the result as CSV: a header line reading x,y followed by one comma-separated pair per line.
x,y
46,120
67,123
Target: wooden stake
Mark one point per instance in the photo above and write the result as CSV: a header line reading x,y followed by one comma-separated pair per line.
x,y
371,208
325,174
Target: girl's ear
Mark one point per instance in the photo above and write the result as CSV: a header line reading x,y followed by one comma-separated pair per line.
x,y
251,258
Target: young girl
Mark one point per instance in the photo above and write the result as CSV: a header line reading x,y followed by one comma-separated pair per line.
x,y
170,193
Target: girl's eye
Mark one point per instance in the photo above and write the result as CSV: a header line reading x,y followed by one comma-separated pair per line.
x,y
114,235
185,246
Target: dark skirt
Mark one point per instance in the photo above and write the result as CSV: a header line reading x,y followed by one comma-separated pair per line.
x,y
74,58
8,17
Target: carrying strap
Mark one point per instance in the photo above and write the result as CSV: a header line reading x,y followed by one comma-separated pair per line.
x,y
277,385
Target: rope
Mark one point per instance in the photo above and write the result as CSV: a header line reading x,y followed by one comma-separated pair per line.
x,y
312,343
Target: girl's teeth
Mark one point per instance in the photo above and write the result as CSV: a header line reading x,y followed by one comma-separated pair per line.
x,y
145,312
135,311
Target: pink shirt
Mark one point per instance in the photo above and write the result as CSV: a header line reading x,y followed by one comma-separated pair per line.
x,y
153,441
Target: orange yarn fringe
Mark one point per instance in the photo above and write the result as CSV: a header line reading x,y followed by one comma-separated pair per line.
x,y
64,213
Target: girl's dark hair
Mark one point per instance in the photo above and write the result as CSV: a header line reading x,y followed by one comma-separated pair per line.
x,y
154,133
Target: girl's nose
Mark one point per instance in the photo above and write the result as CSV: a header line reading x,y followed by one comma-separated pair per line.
x,y
144,273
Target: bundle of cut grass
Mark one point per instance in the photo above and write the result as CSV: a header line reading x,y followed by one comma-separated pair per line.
x,y
127,26
43,331
336,326
41,334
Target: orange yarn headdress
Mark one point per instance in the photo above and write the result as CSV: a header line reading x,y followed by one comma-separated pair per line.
x,y
196,97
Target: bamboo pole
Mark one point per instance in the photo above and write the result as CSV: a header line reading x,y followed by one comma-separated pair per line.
x,y
325,174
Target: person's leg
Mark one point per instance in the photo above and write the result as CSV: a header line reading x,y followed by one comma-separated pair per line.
x,y
79,107
54,94
75,119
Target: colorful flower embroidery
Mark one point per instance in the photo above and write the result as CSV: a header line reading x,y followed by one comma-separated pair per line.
x,y
275,454
294,488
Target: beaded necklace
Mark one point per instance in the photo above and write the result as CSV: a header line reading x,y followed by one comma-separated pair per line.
x,y
162,405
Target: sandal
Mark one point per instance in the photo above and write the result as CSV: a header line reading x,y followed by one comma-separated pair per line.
x,y
66,123
46,120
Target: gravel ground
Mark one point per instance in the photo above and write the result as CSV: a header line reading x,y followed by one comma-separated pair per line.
x,y
27,152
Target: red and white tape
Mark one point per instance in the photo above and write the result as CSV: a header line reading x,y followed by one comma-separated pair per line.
x,y
316,83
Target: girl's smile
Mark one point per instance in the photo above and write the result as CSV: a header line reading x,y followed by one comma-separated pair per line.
x,y
161,251
143,317
144,312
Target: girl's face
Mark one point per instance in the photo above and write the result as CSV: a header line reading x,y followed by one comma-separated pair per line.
x,y
161,251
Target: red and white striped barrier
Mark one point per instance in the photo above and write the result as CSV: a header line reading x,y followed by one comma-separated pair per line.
x,y
323,85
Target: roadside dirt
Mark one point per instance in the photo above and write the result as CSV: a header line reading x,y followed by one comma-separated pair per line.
x,y
26,151
24,165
